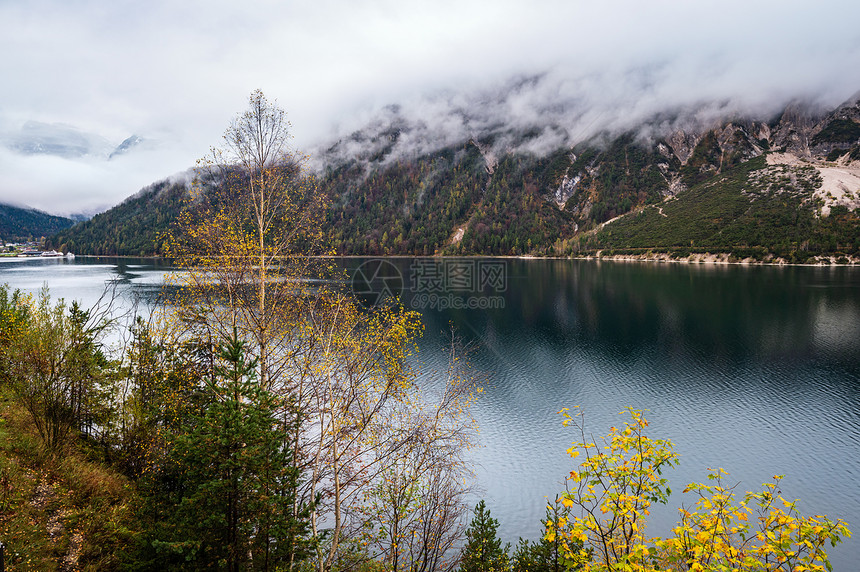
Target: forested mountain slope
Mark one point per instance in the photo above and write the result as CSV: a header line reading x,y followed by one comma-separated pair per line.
x,y
787,186
132,228
17,223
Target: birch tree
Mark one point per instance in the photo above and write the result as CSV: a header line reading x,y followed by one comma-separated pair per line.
x,y
249,239
248,245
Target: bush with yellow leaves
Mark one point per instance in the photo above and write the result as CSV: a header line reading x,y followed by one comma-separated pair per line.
x,y
621,477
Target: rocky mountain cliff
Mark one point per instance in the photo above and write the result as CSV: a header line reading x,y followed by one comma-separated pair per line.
x,y
507,191
683,158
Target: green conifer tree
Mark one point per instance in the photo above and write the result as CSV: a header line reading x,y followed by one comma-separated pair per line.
x,y
484,551
225,496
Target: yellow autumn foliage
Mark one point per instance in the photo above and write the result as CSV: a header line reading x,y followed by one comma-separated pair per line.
x,y
620,477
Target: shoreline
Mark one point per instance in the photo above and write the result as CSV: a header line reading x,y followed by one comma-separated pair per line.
x,y
703,258
721,259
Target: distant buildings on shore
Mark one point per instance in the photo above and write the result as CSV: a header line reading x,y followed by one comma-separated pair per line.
x,y
31,249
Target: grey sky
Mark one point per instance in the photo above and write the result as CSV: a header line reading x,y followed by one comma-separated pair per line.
x,y
176,72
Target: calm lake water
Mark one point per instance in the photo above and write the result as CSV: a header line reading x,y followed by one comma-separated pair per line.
x,y
753,369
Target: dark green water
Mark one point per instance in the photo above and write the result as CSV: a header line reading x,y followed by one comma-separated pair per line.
x,y
753,369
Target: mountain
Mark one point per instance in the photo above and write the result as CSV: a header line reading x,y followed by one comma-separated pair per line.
x,y
19,224
788,189
37,138
65,141
785,186
132,228
81,217
127,146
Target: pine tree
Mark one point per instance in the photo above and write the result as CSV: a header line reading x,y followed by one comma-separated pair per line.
x,y
227,490
484,551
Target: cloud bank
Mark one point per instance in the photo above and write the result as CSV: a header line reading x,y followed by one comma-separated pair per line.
x,y
175,73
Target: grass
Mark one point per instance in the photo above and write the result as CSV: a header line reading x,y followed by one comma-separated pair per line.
x,y
23,514
838,131
56,506
751,211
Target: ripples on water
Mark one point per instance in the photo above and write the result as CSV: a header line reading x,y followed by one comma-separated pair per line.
x,y
751,369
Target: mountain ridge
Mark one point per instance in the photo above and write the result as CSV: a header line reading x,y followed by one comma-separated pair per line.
x,y
65,141
25,223
489,195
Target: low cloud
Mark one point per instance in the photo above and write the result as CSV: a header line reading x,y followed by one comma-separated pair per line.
x,y
87,185
175,73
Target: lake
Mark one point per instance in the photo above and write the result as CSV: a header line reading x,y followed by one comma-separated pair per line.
x,y
753,369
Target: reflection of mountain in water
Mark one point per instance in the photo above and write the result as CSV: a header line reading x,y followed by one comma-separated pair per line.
x,y
730,313
750,368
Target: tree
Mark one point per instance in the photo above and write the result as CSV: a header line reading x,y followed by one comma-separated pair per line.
x,y
549,553
248,239
483,551
614,488
231,480
54,363
415,510
353,390
719,534
162,386
247,242
621,477
14,317
347,395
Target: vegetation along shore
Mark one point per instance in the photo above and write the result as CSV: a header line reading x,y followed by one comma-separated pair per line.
x,y
257,420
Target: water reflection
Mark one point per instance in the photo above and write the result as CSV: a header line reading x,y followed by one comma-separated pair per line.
x,y
755,369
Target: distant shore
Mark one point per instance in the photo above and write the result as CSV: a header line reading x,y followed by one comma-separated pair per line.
x,y
662,257
708,258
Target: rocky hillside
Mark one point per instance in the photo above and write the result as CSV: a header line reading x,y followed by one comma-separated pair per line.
x,y
787,186
788,189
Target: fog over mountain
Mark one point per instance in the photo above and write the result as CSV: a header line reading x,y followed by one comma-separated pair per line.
x,y
540,114
438,71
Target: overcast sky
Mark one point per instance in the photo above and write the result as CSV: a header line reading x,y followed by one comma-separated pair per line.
x,y
175,73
